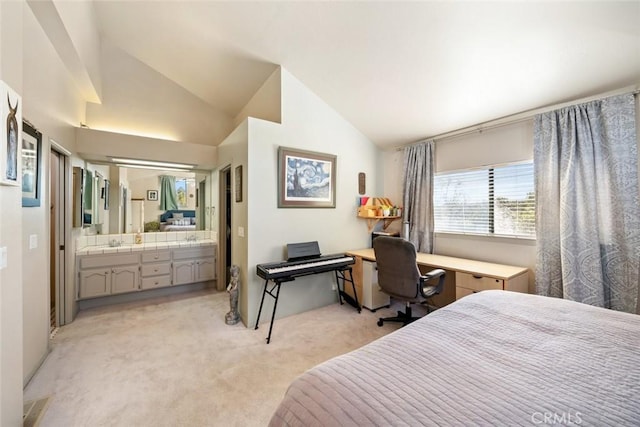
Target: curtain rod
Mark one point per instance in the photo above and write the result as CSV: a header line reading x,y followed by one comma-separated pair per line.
x,y
517,117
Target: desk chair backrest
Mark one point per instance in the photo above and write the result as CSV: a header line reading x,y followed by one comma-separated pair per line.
x,y
398,273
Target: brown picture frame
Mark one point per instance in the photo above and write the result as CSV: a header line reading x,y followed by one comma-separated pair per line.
x,y
31,155
238,183
306,179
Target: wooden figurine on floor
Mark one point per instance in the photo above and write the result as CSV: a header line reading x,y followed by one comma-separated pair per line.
x,y
232,317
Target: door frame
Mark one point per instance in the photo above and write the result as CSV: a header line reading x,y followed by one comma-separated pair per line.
x,y
64,288
201,215
223,232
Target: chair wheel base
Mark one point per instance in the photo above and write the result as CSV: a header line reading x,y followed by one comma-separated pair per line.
x,y
404,318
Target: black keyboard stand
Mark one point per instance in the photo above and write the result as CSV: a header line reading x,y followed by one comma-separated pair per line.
x,y
340,275
265,291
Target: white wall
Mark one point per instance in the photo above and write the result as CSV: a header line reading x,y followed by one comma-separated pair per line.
x,y
307,123
177,114
266,103
52,105
80,22
138,187
231,154
96,145
11,236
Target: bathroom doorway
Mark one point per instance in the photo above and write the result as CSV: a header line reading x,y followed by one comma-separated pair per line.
x,y
224,235
58,169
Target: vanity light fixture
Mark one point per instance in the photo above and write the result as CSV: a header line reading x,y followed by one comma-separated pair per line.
x,y
164,168
150,164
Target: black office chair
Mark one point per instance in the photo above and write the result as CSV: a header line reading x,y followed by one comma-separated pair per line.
x,y
398,276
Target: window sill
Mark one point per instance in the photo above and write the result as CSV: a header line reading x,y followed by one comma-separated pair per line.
x,y
520,240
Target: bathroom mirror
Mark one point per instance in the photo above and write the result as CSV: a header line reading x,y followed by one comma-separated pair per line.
x,y
128,199
147,188
93,196
77,208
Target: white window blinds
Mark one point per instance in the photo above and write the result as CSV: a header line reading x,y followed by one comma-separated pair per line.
x,y
494,200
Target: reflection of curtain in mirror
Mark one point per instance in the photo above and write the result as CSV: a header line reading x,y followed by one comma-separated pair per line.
x,y
168,196
88,190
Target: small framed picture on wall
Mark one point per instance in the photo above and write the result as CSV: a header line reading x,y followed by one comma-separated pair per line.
x,y
152,195
238,179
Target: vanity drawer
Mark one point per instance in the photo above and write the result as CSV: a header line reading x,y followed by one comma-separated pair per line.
x,y
156,256
478,283
156,269
96,261
191,253
156,282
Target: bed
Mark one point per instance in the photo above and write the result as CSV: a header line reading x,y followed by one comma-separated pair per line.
x,y
178,220
492,358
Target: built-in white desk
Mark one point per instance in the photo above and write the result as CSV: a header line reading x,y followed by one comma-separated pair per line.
x,y
463,276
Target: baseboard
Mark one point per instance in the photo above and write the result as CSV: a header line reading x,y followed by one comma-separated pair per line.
x,y
33,412
30,375
142,295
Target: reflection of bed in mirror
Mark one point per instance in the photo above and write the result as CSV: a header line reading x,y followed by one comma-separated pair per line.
x,y
178,220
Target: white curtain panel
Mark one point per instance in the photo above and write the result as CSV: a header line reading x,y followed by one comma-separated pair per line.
x,y
417,195
587,203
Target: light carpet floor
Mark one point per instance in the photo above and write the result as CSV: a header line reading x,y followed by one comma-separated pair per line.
x,y
174,362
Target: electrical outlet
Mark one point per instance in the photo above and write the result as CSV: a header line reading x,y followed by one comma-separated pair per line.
x,y
240,231
33,241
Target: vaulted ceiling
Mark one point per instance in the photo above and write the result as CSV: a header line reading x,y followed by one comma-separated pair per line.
x,y
398,71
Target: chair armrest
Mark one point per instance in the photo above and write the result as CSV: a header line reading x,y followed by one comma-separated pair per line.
x,y
430,290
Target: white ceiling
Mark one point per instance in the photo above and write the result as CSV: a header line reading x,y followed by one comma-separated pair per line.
x,y
397,71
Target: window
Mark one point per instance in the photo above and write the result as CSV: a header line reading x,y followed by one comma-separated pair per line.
x,y
496,200
184,188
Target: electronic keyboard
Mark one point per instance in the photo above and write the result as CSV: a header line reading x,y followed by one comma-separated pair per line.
x,y
291,269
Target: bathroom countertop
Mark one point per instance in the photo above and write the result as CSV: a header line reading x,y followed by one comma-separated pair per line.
x,y
152,246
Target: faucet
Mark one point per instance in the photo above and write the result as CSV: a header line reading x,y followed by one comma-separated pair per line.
x,y
114,243
191,238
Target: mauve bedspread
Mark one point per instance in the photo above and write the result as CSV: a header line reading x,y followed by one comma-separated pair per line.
x,y
492,358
